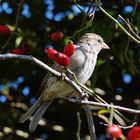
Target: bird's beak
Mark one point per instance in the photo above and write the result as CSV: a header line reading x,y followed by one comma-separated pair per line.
x,y
105,46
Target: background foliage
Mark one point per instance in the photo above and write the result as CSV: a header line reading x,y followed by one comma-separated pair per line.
x,y
116,74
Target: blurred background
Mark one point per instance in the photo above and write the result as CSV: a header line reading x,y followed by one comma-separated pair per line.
x,y
116,77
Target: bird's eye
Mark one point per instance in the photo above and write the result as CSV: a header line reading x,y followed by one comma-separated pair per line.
x,y
99,40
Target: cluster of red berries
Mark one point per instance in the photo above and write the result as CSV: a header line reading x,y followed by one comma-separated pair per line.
x,y
25,47
64,57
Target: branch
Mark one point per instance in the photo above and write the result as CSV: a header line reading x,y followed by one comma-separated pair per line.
x,y
92,103
90,122
123,127
129,26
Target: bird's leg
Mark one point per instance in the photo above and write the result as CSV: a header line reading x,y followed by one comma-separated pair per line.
x,y
75,95
78,97
62,76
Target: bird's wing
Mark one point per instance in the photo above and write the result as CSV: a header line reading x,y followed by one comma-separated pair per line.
x,y
47,76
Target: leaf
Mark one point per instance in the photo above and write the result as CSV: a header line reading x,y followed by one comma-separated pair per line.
x,y
103,111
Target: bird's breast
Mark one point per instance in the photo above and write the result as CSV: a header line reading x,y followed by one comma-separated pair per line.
x,y
83,64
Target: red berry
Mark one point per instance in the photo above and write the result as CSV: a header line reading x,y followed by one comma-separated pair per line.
x,y
57,36
114,131
60,58
52,54
4,29
17,51
69,49
134,133
63,60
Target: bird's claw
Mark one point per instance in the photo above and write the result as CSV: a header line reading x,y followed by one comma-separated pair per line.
x,y
62,76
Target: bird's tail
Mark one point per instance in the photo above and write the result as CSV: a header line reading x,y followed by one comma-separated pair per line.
x,y
38,115
39,107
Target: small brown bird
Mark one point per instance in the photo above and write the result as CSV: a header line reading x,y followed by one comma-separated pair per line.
x,y
82,63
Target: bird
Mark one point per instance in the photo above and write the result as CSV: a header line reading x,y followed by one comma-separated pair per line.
x,y
82,63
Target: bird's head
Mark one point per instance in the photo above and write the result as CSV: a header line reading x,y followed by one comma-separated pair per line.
x,y
94,42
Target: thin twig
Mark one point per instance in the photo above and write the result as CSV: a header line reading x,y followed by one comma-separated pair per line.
x,y
128,41
128,127
85,23
123,127
127,22
79,126
15,26
111,114
136,118
78,6
89,7
92,103
119,25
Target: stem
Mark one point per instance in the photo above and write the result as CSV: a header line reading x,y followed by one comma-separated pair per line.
x,y
79,126
85,23
123,29
78,6
90,121
111,115
76,80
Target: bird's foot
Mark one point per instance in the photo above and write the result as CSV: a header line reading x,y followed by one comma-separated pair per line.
x,y
63,76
